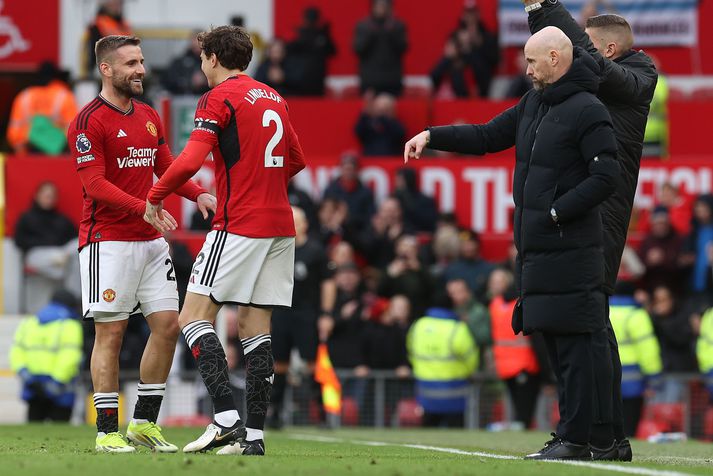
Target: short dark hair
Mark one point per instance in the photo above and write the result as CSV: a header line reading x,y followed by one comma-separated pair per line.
x,y
230,44
613,24
109,44
608,20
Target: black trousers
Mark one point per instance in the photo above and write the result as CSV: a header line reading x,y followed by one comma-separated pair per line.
x,y
42,409
443,420
632,414
524,389
608,409
571,357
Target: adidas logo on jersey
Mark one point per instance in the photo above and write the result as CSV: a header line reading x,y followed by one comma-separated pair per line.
x,y
121,133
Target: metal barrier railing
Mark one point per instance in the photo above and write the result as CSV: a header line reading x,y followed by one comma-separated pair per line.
x,y
381,399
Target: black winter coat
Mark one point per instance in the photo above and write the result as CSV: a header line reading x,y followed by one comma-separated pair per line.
x,y
626,89
565,151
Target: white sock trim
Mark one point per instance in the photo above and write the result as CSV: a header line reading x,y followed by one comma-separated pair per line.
x,y
254,434
227,418
151,389
252,343
196,329
106,400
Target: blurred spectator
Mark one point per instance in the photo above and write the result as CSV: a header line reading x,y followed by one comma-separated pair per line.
x,y
680,209
656,134
378,240
516,362
419,210
510,263
448,76
343,329
696,247
639,351
660,253
348,188
471,311
446,248
301,199
521,82
46,355
108,21
384,347
311,49
379,130
184,75
406,275
296,328
256,39
676,337
443,356
384,337
41,114
182,265
277,70
470,266
49,240
380,42
332,216
478,46
341,253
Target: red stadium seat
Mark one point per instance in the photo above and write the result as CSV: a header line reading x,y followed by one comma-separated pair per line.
x,y
708,424
649,427
669,415
350,412
409,412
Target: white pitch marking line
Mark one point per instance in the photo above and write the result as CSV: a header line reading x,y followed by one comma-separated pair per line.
x,y
601,466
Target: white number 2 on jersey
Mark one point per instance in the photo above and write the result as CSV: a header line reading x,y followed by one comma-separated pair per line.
x,y
273,160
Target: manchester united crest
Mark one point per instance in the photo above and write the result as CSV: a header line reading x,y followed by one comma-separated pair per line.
x,y
151,127
109,295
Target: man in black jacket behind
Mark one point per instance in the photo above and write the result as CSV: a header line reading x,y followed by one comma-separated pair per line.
x,y
628,80
565,167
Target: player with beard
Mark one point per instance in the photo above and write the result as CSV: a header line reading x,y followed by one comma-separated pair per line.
x,y
118,145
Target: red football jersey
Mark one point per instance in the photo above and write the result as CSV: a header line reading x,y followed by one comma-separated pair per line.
x,y
126,148
256,152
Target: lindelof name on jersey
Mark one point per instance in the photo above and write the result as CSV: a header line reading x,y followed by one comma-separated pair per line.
x,y
257,93
138,157
206,125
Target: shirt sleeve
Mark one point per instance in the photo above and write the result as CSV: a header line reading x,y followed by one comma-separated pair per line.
x,y
212,116
180,170
88,155
164,159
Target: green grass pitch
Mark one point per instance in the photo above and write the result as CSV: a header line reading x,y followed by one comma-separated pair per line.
x,y
58,450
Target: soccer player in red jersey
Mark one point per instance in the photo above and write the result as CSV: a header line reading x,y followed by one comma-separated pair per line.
x,y
118,145
248,257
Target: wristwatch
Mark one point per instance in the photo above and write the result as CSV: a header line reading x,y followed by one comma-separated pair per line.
x,y
533,7
553,214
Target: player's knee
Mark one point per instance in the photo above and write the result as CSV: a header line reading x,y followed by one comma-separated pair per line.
x,y
110,338
171,330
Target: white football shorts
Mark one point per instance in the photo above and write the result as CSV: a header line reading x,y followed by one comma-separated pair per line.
x,y
121,277
248,271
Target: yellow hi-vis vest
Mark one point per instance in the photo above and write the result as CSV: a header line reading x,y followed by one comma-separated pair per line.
x,y
704,348
441,349
53,349
638,348
657,122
